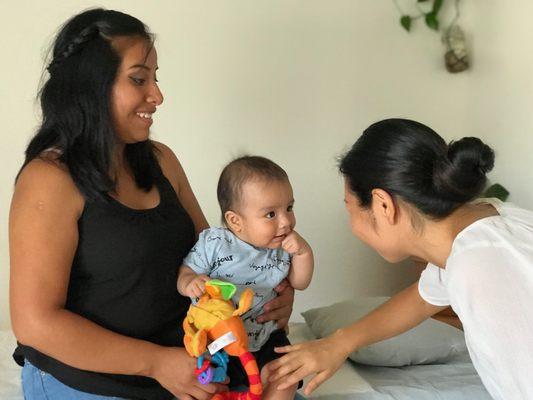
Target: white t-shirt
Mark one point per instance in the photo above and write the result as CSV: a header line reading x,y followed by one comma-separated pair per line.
x,y
488,281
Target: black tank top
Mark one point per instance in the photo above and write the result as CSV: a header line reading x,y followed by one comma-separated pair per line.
x,y
124,279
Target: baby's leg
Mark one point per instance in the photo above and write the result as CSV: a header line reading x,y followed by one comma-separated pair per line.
x,y
270,392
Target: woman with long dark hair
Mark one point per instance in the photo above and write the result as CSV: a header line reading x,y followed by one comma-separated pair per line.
x,y
409,194
101,218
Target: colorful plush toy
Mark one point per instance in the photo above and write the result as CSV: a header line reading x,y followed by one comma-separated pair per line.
x,y
214,369
214,319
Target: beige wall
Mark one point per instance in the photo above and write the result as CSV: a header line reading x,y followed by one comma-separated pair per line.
x,y
296,81
500,91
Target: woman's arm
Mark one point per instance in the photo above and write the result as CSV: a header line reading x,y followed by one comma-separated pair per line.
x,y
43,235
176,175
402,312
323,357
448,316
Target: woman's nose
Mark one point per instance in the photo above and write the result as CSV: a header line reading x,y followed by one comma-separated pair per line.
x,y
155,96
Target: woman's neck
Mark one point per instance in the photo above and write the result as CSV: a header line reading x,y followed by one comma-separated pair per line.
x,y
435,243
118,163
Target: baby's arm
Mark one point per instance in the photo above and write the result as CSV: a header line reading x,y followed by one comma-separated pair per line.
x,y
302,263
189,283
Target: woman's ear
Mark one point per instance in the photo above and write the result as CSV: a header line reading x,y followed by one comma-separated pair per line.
x,y
384,207
233,220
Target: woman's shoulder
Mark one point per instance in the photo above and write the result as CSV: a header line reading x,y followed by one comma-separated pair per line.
x,y
166,157
517,214
170,165
45,170
47,179
511,230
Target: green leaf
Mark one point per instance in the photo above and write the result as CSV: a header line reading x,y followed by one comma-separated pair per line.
x,y
497,191
436,6
421,1
432,22
405,20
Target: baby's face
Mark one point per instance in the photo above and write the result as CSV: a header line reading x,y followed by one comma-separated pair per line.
x,y
266,212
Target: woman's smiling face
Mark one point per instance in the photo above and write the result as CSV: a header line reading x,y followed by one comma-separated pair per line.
x,y
135,94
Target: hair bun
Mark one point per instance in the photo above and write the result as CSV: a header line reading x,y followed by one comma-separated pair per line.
x,y
470,154
460,175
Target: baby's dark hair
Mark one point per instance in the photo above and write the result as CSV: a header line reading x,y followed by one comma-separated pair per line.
x,y
410,160
238,172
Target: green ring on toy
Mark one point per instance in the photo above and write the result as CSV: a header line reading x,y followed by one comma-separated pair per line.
x,y
227,289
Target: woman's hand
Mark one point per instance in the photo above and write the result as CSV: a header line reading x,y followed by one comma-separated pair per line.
x,y
174,370
280,308
321,357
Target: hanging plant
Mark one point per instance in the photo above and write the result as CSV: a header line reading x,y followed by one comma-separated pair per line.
x,y
430,17
456,56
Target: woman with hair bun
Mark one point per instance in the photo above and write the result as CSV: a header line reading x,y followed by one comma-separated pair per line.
x,y
409,194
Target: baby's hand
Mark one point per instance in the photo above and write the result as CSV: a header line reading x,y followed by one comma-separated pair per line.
x,y
295,244
196,286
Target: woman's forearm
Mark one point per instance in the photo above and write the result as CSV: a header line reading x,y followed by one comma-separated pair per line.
x,y
85,345
401,313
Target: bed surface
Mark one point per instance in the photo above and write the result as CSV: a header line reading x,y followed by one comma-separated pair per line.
x,y
9,371
455,380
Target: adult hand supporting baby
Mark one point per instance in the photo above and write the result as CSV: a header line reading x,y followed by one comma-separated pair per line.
x,y
279,309
322,357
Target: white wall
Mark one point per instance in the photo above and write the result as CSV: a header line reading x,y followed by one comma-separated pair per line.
x,y
500,91
297,81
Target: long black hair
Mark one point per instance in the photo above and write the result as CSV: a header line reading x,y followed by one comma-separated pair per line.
x,y
410,160
75,102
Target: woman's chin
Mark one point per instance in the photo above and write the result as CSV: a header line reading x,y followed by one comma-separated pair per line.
x,y
137,136
394,258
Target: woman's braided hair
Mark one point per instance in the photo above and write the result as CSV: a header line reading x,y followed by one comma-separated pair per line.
x,y
88,33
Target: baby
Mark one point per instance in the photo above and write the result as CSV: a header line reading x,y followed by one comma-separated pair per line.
x,y
258,249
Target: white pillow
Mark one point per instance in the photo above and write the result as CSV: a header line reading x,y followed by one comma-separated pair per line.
x,y
431,342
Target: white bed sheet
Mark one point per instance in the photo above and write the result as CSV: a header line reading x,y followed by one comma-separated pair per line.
x,y
346,382
9,371
455,380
